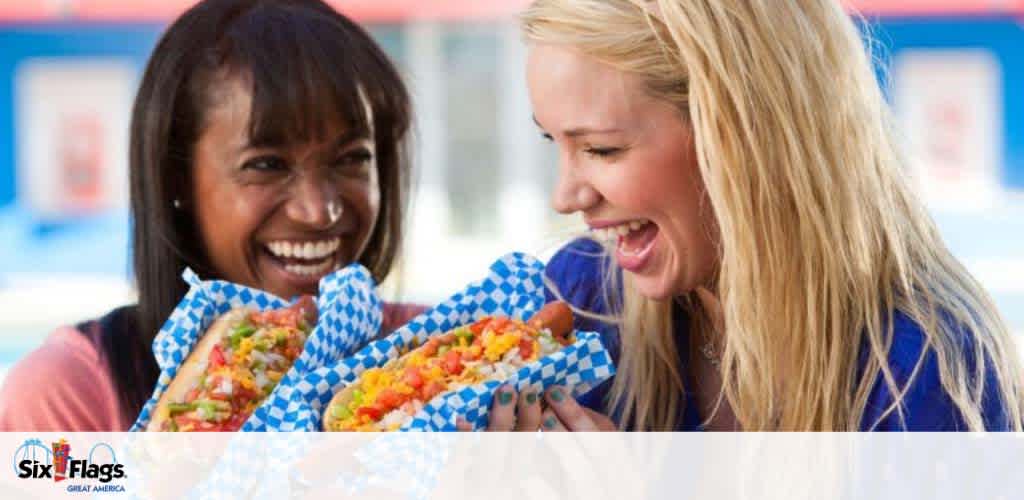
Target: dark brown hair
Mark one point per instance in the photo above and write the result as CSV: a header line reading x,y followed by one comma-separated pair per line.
x,y
307,66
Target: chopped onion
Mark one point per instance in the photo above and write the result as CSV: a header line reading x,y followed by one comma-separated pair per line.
x,y
261,379
274,357
393,417
259,356
510,355
203,414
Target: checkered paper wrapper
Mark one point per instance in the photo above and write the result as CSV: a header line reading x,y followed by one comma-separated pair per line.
x,y
514,287
349,316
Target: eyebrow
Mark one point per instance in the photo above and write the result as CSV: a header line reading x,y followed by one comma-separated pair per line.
x,y
581,131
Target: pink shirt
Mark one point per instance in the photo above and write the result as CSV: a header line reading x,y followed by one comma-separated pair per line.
x,y
66,385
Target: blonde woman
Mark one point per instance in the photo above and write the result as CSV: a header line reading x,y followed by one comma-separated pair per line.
x,y
764,265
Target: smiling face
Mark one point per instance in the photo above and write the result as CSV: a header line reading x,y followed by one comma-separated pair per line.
x,y
278,217
627,162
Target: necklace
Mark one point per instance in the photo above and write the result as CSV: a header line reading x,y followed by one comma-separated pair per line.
x,y
707,349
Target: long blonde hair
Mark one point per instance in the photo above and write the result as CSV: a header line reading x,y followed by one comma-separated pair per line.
x,y
822,241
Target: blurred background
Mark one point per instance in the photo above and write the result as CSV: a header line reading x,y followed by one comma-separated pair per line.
x,y
69,69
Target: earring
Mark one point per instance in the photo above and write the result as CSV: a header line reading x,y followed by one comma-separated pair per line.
x,y
177,204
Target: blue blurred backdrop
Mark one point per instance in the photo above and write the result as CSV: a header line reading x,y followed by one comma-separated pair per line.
x,y
67,79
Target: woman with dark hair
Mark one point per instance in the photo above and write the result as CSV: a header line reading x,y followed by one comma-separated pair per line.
x,y
267,149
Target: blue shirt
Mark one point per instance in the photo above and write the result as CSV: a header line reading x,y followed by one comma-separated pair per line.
x,y
576,270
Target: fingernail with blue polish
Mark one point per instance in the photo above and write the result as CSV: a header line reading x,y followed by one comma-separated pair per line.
x,y
505,397
531,398
549,422
557,396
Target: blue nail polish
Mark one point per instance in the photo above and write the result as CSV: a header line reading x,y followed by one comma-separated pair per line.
x,y
557,396
549,422
505,398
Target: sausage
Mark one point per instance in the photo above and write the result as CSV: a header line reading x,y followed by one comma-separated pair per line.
x,y
556,316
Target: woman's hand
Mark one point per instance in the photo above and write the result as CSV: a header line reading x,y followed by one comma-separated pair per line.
x,y
565,414
512,411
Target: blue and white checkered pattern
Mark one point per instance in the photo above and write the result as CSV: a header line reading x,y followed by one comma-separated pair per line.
x,y
513,288
580,367
349,315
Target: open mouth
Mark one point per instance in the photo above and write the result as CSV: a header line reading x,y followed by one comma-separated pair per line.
x,y
634,242
305,259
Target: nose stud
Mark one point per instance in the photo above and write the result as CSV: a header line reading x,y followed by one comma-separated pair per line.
x,y
334,210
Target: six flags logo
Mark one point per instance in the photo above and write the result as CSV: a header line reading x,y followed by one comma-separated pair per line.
x,y
60,465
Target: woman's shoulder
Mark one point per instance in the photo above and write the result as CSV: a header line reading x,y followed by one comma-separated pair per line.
x,y
577,272
927,406
64,384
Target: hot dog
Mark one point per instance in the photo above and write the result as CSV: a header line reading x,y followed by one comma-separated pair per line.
x,y
233,368
492,348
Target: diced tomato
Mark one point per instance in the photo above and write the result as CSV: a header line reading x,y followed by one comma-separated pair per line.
x,y
192,395
292,352
433,388
235,422
430,348
413,378
181,421
498,324
271,317
526,347
217,357
305,308
390,399
479,327
243,395
452,362
374,412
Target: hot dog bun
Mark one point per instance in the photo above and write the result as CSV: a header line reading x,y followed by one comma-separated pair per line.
x,y
194,367
556,317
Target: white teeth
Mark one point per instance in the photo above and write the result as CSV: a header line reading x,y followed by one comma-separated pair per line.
x,y
308,270
612,234
309,250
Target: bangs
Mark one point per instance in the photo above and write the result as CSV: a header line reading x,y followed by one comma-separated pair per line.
x,y
314,76
306,72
